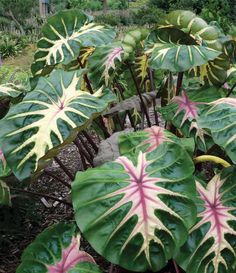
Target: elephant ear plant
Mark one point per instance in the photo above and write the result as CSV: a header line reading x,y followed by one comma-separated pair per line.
x,y
163,195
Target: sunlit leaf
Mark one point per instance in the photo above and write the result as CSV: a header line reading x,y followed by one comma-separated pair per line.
x,y
176,51
136,211
211,245
55,250
47,117
142,66
64,35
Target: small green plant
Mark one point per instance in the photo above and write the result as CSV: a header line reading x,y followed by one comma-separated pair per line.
x,y
145,202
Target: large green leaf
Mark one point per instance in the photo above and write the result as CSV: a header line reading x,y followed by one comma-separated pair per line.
x,y
5,197
136,211
183,112
63,36
211,246
174,50
219,118
55,111
55,250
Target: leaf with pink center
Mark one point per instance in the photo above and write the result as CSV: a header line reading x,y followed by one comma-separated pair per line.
x,y
147,140
4,168
219,118
150,139
103,62
183,112
55,250
189,107
136,211
211,246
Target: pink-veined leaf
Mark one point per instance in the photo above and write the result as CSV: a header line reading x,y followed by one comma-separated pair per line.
x,y
136,210
219,118
211,246
150,139
183,112
185,104
55,250
103,62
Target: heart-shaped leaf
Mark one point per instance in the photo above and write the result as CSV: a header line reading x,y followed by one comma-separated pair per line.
x,y
211,245
64,35
219,118
136,211
47,117
55,250
176,51
183,112
5,197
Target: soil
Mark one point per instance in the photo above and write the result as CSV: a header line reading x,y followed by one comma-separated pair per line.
x,y
25,220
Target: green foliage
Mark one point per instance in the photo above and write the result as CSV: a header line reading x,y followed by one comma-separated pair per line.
x,y
85,4
147,204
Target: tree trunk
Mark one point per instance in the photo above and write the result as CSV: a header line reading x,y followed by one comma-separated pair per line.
x,y
105,5
17,22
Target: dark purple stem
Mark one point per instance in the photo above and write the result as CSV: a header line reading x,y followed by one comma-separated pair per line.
x,y
179,83
90,140
154,100
64,168
86,146
55,177
83,152
176,267
42,195
89,86
143,106
123,98
231,90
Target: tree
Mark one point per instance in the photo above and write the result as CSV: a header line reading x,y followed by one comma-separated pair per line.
x,y
16,10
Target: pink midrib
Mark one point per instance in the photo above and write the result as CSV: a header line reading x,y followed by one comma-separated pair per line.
x,y
214,208
113,55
